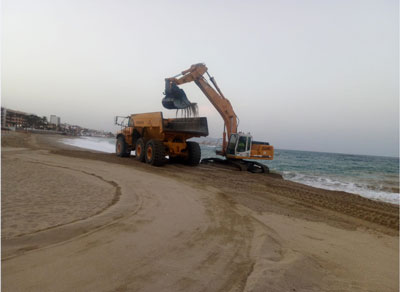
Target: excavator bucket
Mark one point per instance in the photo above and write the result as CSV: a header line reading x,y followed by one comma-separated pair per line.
x,y
175,98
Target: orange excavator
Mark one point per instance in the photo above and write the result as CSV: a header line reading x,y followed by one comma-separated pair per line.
x,y
238,148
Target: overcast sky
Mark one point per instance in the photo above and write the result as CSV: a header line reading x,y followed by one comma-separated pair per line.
x,y
307,75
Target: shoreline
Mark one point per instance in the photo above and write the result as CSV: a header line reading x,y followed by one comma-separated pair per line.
x,y
325,181
180,228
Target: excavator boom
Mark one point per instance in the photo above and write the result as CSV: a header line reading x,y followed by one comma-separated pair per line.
x,y
235,146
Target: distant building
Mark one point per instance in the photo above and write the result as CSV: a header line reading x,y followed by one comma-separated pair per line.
x,y
3,117
54,120
12,118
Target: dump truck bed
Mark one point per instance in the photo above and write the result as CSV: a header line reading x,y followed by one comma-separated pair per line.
x,y
192,126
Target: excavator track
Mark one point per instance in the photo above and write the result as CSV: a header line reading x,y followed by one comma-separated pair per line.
x,y
241,165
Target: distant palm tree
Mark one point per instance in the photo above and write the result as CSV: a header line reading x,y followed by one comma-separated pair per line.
x,y
30,121
44,122
33,121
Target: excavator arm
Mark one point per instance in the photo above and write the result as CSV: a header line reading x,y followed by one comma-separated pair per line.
x,y
176,98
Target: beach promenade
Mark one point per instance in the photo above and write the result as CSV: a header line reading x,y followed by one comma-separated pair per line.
x,y
76,220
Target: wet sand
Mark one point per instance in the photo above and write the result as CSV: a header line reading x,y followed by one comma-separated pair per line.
x,y
75,220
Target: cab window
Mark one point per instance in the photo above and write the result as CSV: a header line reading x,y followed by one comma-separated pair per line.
x,y
232,144
241,147
248,144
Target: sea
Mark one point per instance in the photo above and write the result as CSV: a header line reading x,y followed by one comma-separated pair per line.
x,y
373,177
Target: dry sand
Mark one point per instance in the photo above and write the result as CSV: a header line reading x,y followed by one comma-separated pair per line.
x,y
76,220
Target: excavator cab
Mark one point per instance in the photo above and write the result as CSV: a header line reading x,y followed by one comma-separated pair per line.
x,y
239,145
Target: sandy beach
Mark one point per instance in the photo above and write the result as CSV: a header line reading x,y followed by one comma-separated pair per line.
x,y
75,220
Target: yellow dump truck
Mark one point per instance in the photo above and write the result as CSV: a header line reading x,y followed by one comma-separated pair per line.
x,y
153,138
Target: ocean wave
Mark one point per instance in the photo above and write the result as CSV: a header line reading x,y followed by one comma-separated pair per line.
x,y
374,190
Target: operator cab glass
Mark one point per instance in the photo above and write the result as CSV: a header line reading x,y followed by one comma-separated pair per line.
x,y
232,144
239,145
248,148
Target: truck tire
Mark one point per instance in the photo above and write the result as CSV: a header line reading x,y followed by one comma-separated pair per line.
x,y
140,150
121,149
194,153
155,153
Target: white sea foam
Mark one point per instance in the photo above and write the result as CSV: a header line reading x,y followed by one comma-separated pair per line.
x,y
93,143
336,184
209,146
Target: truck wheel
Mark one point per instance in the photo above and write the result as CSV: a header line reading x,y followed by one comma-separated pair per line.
x,y
194,153
121,149
140,147
155,153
